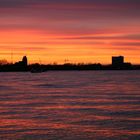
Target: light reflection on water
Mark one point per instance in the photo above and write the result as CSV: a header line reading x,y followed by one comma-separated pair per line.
x,y
72,105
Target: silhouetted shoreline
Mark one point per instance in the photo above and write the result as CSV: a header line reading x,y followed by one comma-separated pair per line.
x,y
22,66
66,67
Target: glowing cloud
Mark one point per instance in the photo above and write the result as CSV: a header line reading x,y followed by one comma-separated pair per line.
x,y
81,31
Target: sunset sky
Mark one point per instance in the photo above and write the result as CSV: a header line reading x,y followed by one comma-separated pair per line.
x,y
89,31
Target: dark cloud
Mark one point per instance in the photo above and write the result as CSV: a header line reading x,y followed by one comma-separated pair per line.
x,y
117,37
86,10
9,53
127,44
21,48
35,43
12,3
23,3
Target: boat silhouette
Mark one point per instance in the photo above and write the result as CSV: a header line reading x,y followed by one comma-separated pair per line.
x,y
36,70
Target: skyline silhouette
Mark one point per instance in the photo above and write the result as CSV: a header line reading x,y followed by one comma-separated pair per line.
x,y
118,63
118,59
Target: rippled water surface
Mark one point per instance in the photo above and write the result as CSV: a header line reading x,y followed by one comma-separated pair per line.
x,y
87,105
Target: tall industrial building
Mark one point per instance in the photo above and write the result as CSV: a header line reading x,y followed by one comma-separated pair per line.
x,y
117,61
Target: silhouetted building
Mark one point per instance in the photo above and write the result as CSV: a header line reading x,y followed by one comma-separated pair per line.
x,y
117,61
22,65
24,61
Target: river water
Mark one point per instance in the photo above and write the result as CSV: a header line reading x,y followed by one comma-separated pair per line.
x,y
73,105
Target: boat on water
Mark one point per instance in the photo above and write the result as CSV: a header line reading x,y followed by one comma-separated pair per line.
x,y
33,70
37,68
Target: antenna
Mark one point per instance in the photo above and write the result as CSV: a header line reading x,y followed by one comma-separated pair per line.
x,y
12,57
40,61
66,60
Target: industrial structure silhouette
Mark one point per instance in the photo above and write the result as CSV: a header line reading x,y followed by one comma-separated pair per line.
x,y
118,63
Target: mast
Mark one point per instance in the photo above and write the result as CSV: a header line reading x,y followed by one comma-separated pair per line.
x,y
12,57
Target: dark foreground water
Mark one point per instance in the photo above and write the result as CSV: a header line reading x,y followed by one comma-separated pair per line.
x,y
87,105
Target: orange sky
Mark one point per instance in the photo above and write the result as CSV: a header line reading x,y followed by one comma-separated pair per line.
x,y
89,32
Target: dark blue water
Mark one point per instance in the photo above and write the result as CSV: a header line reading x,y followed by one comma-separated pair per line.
x,y
87,105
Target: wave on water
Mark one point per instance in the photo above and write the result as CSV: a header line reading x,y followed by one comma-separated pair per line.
x,y
86,105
